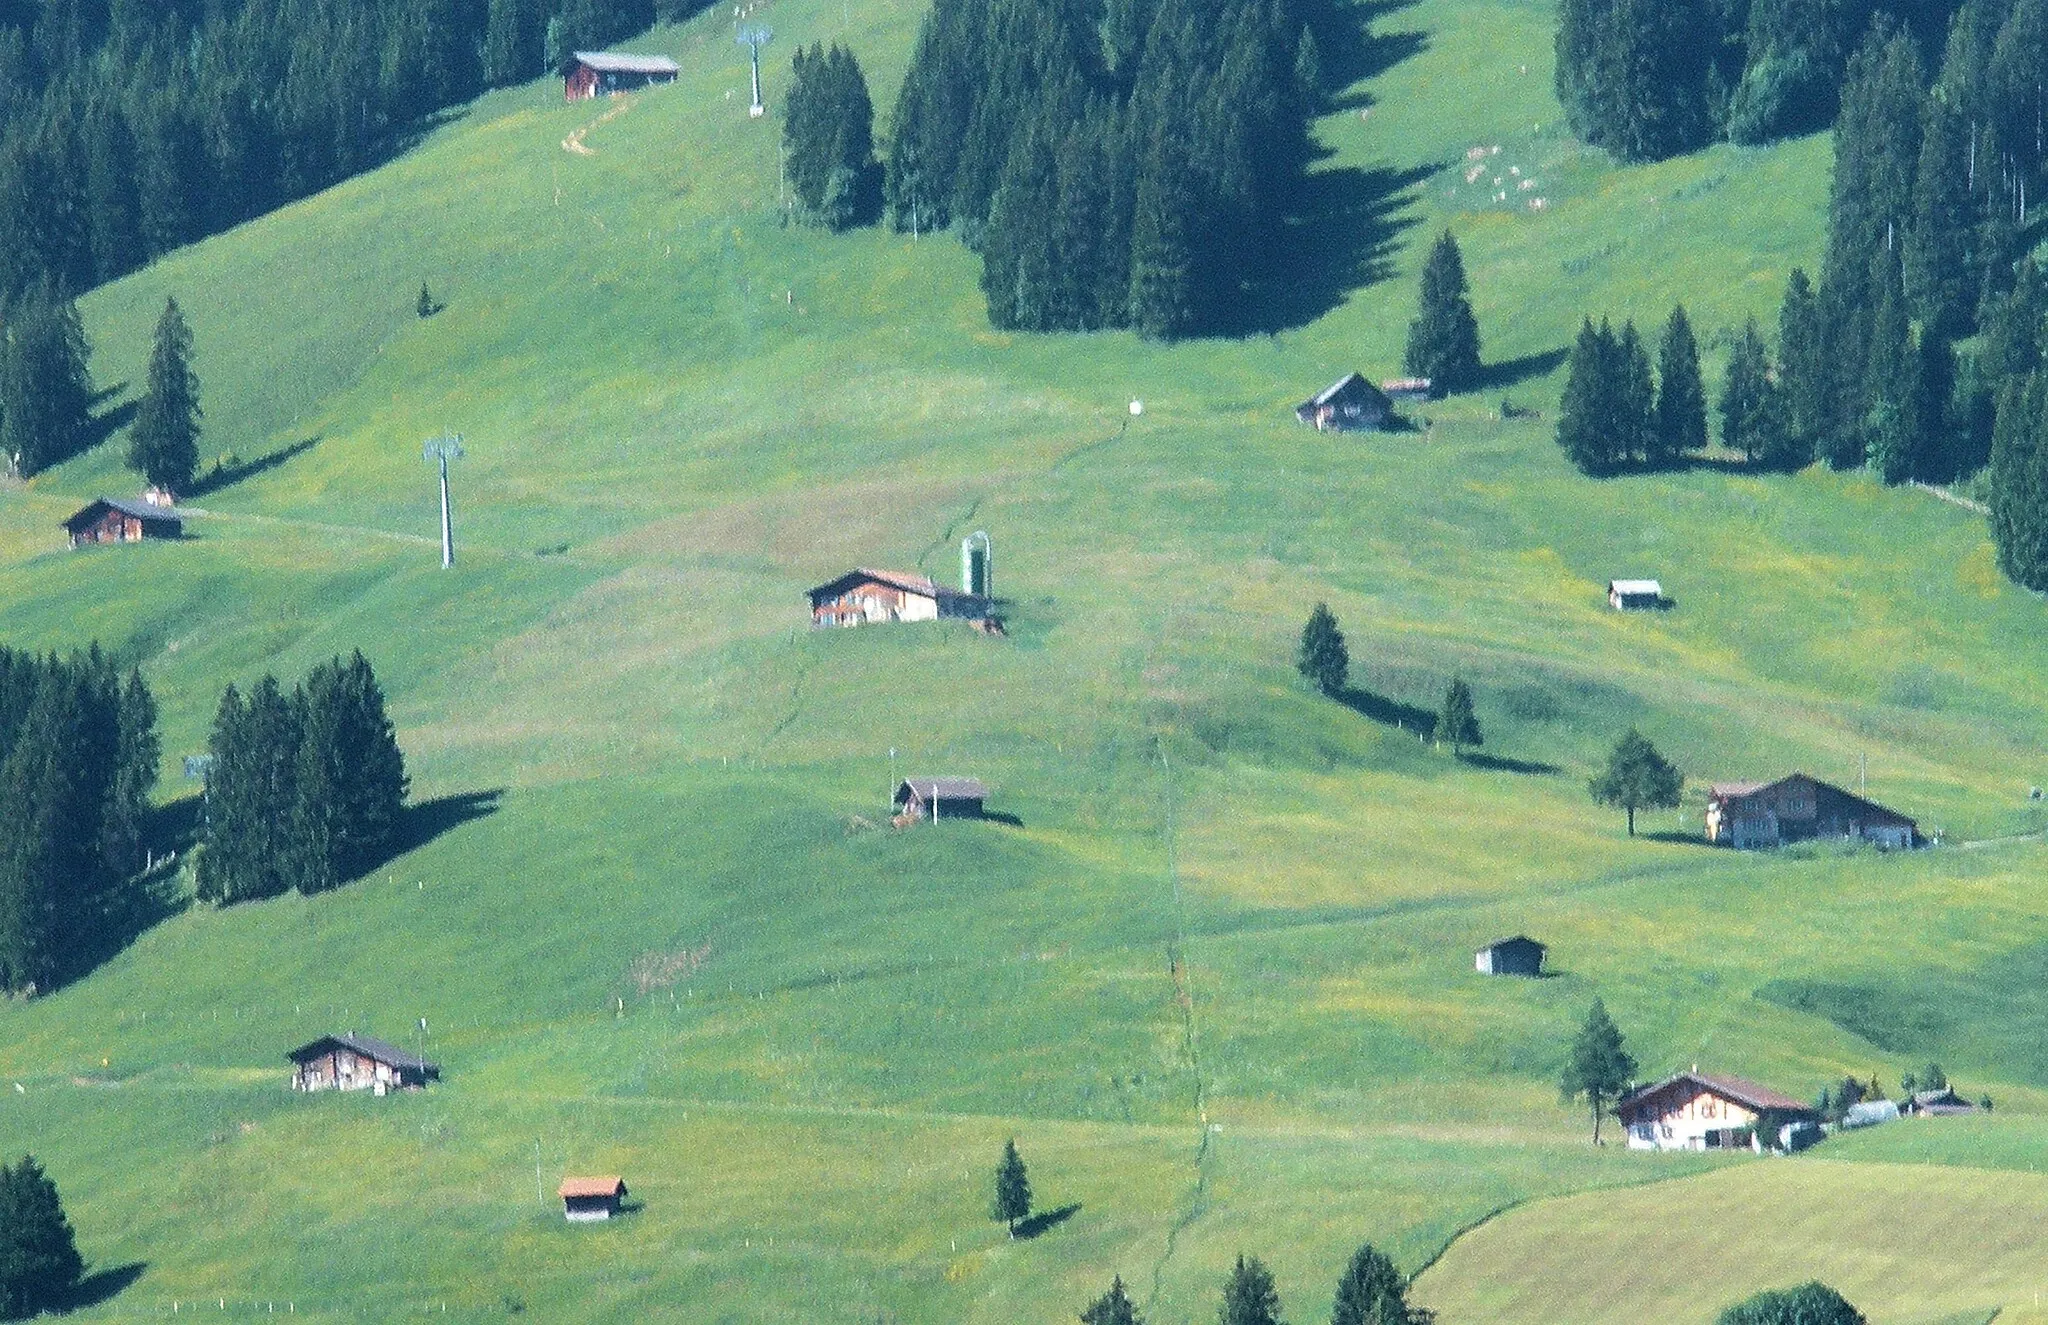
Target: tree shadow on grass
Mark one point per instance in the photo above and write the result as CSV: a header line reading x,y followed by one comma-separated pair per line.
x,y
1679,839
1353,52
1503,764
430,819
1045,1221
1002,817
225,476
1513,372
1387,711
1340,238
102,1286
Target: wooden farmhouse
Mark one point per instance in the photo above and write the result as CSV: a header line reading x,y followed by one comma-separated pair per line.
x,y
115,520
863,597
1695,1111
1939,1103
1348,404
1520,955
602,73
587,1200
940,798
1746,815
357,1062
1635,595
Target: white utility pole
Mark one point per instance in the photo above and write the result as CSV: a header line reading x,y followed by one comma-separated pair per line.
x,y
444,448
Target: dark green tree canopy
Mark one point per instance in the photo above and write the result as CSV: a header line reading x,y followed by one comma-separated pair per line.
x,y
1598,1067
1012,1200
39,1260
1370,1291
164,443
45,388
1752,414
1637,778
1323,657
1249,1297
1443,340
1808,1304
1113,1307
828,139
1457,723
1680,422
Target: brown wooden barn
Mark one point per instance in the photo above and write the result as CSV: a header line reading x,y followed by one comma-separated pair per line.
x,y
1794,808
115,520
862,596
601,73
1520,955
940,798
586,1200
357,1062
1347,404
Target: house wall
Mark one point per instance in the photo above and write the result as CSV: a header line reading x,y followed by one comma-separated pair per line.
x,y
869,602
1797,809
588,1209
1510,959
343,1069
1681,1117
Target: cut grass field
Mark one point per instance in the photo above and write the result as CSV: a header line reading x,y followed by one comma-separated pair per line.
x,y
1217,978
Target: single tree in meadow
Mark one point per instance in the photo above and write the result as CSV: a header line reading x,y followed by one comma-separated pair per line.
x,y
1808,1304
1637,778
39,1260
1249,1297
1371,1291
1679,423
164,443
1598,1067
1113,1308
1457,723
1443,340
1323,658
1013,1189
426,307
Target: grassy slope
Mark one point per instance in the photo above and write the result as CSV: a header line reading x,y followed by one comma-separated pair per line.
x,y
1230,904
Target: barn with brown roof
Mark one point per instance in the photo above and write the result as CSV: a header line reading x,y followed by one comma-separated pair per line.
x,y
1792,809
587,1200
357,1062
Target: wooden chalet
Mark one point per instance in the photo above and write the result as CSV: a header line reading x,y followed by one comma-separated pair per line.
x,y
1747,815
602,73
1348,404
1520,955
117,520
940,798
1635,595
587,1200
357,1062
1696,1111
862,597
1938,1103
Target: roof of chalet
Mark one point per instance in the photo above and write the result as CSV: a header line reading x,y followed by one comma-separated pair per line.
x,y
920,585
1738,790
1746,1093
1629,588
141,510
1512,938
609,1185
949,789
621,62
1946,1096
376,1050
1338,387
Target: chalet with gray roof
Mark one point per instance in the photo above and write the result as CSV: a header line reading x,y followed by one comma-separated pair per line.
x,y
940,798
1747,815
120,520
1348,404
1519,955
603,73
357,1062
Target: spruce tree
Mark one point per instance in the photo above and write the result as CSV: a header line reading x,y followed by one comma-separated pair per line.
x,y
1681,416
1582,424
1249,1297
1163,303
45,389
1456,722
1443,340
253,843
1936,454
1803,374
1598,1066
49,876
39,1260
1940,275
1888,378
1637,777
1809,1304
1113,1307
2019,482
1636,397
1745,395
349,780
1012,1200
137,753
164,443
1371,1290
1323,657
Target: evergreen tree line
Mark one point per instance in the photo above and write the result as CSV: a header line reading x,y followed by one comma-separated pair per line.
x,y
1647,79
305,790
1616,413
130,127
39,1261
1369,1292
46,387
1116,162
828,137
78,758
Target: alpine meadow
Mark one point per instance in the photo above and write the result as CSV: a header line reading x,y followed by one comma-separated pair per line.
x,y
1093,936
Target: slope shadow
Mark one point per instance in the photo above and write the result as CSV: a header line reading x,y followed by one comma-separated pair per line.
x,y
1389,712
1503,764
1353,52
1513,372
225,476
102,1286
1002,817
99,427
1046,1220
1679,839
1340,238
430,819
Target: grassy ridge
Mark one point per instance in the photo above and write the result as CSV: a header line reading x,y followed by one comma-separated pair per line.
x,y
1228,903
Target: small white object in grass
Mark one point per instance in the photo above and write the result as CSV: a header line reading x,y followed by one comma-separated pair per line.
x,y
1137,408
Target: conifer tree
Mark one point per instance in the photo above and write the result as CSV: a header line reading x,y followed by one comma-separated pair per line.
x,y
252,843
1888,378
1636,397
1803,374
1746,396
1371,1290
1249,1297
1681,415
45,389
1583,423
48,867
1323,657
515,33
1809,1304
137,753
349,776
1938,456
39,1260
1940,275
1012,1189
2019,482
1598,1066
164,443
1637,777
1456,722
1113,1307
1443,340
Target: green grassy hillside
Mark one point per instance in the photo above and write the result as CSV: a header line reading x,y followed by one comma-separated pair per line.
x,y
1216,979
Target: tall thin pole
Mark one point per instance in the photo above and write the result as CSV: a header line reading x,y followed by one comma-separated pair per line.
x,y
447,521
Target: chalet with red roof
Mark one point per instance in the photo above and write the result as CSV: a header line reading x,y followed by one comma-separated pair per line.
x,y
1768,814
586,1200
1698,1111
863,597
